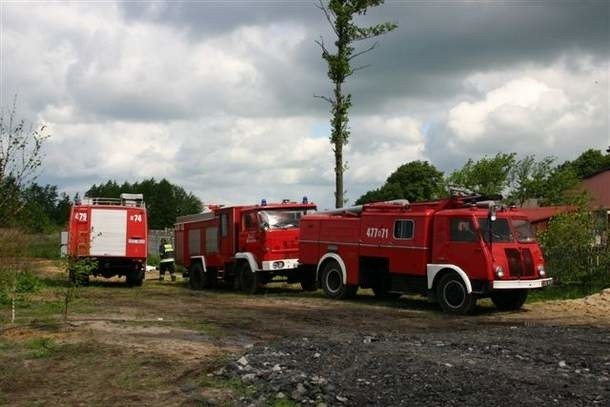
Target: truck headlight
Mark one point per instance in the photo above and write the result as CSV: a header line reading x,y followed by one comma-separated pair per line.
x,y
541,271
278,265
499,271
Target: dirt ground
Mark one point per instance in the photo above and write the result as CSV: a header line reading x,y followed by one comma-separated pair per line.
x,y
163,344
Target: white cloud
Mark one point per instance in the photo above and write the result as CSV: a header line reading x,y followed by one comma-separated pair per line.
x,y
380,145
508,105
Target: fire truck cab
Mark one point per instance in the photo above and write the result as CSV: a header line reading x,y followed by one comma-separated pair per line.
x,y
114,233
245,245
445,249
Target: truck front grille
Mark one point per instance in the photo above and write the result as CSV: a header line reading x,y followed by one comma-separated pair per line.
x,y
520,262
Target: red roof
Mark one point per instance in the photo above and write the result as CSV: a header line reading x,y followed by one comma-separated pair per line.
x,y
536,215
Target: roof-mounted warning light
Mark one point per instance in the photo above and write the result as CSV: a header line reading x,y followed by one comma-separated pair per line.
x,y
305,200
263,202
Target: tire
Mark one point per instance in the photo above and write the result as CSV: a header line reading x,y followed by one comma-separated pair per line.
x,y
196,277
135,278
509,300
453,296
332,282
308,281
250,282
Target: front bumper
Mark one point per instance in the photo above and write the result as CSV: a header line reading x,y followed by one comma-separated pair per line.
x,y
280,264
518,284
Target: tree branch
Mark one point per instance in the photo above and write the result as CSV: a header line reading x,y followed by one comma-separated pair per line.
x,y
321,44
369,49
359,68
327,14
326,98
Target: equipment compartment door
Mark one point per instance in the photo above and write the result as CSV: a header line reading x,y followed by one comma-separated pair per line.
x,y
108,232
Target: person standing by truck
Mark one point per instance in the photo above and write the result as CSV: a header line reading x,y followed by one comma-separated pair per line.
x,y
166,263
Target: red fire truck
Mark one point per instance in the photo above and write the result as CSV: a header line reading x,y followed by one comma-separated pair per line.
x,y
246,246
445,249
111,231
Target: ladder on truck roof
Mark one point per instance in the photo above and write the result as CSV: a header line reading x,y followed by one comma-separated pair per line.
x,y
135,200
395,203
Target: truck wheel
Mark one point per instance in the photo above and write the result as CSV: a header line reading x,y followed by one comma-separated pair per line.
x,y
196,276
453,296
308,281
509,300
332,282
135,278
249,281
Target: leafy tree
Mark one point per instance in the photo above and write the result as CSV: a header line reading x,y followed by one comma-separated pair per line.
x,y
588,163
20,158
528,178
38,213
485,176
560,187
340,15
62,209
415,181
576,252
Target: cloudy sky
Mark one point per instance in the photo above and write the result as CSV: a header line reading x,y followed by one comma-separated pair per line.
x,y
217,96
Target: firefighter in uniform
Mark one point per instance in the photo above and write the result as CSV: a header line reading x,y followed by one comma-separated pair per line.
x,y
166,254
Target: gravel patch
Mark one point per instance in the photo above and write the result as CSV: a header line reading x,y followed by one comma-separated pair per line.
x,y
506,365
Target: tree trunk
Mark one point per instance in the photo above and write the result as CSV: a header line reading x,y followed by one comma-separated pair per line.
x,y
339,174
338,140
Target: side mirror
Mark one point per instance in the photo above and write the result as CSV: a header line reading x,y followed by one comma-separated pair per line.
x,y
491,214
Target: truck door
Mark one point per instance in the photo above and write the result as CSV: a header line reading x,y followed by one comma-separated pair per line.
x,y
226,233
251,235
463,246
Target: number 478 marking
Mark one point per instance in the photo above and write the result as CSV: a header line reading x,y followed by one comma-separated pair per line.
x,y
136,217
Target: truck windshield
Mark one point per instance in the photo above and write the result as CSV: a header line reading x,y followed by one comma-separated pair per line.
x,y
500,230
523,231
281,219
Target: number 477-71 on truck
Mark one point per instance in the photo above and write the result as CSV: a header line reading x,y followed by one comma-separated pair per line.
x,y
455,250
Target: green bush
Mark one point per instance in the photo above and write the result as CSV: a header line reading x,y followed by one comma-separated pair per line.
x,y
44,246
28,282
25,283
576,251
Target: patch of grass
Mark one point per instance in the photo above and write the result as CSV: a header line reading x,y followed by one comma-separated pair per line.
x,y
203,327
235,385
44,246
563,292
41,347
4,347
284,403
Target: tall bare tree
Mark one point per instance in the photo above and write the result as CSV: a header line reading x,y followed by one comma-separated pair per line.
x,y
20,158
340,15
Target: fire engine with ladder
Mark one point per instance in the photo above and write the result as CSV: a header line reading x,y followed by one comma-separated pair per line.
x,y
454,250
246,245
111,231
